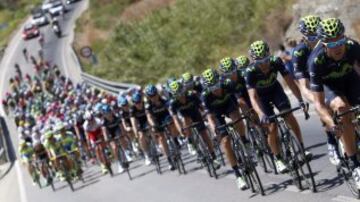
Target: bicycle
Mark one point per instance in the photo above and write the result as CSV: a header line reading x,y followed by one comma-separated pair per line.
x,y
44,164
244,158
174,150
293,153
258,140
122,158
77,164
107,161
203,153
63,167
343,169
153,152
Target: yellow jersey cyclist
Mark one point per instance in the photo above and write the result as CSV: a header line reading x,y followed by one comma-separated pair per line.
x,y
264,89
218,101
184,108
300,57
56,152
335,83
69,143
26,152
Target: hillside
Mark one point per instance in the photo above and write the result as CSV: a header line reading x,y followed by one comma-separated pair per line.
x,y
152,44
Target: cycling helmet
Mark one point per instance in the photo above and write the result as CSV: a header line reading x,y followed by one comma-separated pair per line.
x,y
136,97
242,61
150,90
210,77
330,28
176,87
122,101
259,50
227,65
88,115
105,109
309,24
187,77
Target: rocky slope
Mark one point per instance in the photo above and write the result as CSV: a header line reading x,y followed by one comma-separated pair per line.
x,y
347,10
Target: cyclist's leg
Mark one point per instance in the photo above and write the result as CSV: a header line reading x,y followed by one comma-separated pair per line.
x,y
161,140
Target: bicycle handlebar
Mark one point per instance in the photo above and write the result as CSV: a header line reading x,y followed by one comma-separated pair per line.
x,y
337,115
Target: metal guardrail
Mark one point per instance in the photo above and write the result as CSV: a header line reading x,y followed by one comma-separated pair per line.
x,y
3,155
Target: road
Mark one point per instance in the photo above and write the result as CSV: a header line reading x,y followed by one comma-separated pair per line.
x,y
147,185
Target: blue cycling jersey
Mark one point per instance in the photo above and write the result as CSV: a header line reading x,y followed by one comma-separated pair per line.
x,y
300,57
325,71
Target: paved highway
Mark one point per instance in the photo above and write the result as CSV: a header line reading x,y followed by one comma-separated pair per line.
x,y
147,185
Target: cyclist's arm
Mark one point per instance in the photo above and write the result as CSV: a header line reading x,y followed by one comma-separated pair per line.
x,y
254,98
177,122
125,125
105,132
150,119
134,124
304,83
293,87
321,108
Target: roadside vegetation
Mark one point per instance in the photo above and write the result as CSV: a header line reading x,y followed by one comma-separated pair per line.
x,y
186,36
12,13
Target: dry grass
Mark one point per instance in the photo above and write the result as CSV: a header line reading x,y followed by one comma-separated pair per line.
x,y
142,8
356,26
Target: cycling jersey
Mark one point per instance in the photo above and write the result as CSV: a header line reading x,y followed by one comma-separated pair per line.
x,y
55,148
268,87
238,87
26,153
262,82
93,130
139,115
68,141
300,57
336,78
113,126
223,104
159,112
188,109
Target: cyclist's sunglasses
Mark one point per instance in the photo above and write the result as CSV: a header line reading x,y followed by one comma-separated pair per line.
x,y
263,61
335,44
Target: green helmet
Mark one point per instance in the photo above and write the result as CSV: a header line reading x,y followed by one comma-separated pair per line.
x,y
49,134
187,77
210,76
242,61
227,65
176,87
309,24
330,28
259,50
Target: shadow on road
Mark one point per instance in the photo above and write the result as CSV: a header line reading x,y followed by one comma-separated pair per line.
x,y
324,185
316,145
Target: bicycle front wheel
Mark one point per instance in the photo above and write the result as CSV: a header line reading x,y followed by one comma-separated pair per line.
x,y
302,163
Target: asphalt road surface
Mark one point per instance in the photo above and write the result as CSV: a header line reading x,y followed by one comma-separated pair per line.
x,y
147,185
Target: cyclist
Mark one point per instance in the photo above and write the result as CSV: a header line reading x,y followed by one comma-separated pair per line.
x,y
157,114
301,54
69,143
111,128
56,152
242,63
139,123
186,104
25,53
124,114
335,83
41,154
190,83
26,152
229,70
92,127
264,89
218,102
80,132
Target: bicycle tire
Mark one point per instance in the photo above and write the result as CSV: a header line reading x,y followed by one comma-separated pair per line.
x,y
206,157
267,154
303,164
250,170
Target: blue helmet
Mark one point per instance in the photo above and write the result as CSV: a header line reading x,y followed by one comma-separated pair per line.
x,y
122,101
136,97
105,109
150,90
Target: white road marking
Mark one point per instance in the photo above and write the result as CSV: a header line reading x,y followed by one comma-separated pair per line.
x,y
23,197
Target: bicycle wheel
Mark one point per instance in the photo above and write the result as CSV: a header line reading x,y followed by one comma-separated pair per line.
x,y
267,158
345,171
302,163
250,170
